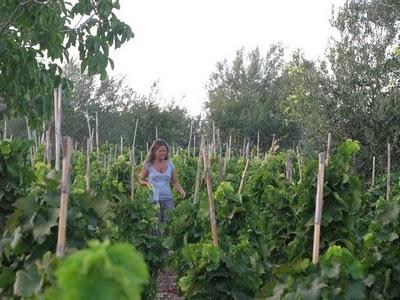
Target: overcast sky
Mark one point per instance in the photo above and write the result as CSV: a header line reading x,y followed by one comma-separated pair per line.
x,y
179,42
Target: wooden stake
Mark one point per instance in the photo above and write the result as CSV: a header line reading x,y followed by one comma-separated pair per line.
x,y
190,138
122,145
258,144
373,172
134,134
133,165
225,161
156,133
198,172
243,176
214,151
194,145
97,136
57,130
133,162
318,208
230,147
62,221
289,169
30,138
88,153
299,162
388,173
49,148
213,219
328,149
5,130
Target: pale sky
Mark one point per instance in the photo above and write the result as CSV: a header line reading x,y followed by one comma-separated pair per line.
x,y
179,42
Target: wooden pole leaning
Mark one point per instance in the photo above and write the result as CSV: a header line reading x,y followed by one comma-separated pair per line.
x,y
62,221
198,172
243,175
318,208
213,218
133,161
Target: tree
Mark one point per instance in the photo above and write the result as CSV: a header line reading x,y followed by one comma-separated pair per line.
x,y
118,107
306,99
365,66
244,98
35,38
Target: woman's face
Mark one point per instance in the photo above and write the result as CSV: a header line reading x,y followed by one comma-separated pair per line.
x,y
161,152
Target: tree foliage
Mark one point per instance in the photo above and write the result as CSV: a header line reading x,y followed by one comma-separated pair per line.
x,y
36,37
244,96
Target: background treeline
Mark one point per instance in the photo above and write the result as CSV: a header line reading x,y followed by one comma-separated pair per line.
x,y
352,92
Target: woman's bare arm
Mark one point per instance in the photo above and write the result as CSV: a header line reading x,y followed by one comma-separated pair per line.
x,y
144,173
177,185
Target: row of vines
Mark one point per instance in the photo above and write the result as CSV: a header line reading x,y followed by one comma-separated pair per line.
x,y
265,230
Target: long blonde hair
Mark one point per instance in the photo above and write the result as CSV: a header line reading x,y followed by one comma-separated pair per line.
x,y
151,156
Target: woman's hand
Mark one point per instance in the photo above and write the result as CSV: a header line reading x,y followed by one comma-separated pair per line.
x,y
182,192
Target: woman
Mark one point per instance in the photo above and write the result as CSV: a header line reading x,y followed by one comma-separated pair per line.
x,y
159,173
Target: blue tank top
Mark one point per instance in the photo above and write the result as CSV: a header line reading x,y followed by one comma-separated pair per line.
x,y
161,182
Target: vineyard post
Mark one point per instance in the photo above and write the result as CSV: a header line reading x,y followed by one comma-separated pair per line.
x,y
97,136
89,128
156,133
373,172
5,130
213,139
122,144
190,138
48,148
225,160
271,150
289,168
299,162
328,149
243,148
318,208
219,144
198,172
133,165
29,138
110,155
388,173
133,162
213,219
62,220
76,146
258,144
194,145
230,147
220,164
57,124
88,153
243,175
36,140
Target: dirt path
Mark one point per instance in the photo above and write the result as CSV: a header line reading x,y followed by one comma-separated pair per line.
x,y
167,288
